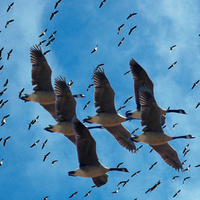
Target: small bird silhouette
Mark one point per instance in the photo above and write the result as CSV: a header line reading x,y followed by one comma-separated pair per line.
x,y
119,28
172,65
8,22
57,3
95,49
43,33
131,15
172,48
132,30
195,84
45,156
53,14
10,6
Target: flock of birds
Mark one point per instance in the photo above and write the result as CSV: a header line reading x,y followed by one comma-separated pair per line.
x,y
61,104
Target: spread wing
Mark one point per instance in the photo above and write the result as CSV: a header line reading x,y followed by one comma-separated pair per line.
x,y
100,180
41,72
104,94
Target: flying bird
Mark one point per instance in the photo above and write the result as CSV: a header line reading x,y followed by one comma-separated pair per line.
x,y
102,3
154,187
50,41
153,133
6,83
3,91
89,165
120,164
53,14
128,99
1,163
53,162
57,3
176,193
116,191
135,173
45,156
195,84
46,52
153,165
3,121
44,143
119,28
34,144
33,122
184,150
172,48
6,140
131,30
172,65
138,148
121,41
175,177
3,103
107,115
70,83
127,72
95,49
131,15
123,182
1,67
8,22
73,194
52,35
10,6
21,92
89,86
197,105
134,131
9,54
88,193
1,51
120,108
141,78
43,33
185,179
174,125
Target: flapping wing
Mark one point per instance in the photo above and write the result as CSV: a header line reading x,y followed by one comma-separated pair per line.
x,y
122,136
150,112
104,94
65,102
85,143
41,72
140,78
100,180
168,154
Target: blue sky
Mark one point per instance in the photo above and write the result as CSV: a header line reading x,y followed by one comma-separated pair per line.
x,y
80,27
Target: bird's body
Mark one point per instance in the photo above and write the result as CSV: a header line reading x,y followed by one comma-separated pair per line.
x,y
131,15
53,14
120,28
89,166
43,33
8,22
121,41
132,30
95,49
153,133
141,78
10,6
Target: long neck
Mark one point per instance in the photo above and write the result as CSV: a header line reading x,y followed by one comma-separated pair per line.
x,y
178,137
118,169
173,110
92,127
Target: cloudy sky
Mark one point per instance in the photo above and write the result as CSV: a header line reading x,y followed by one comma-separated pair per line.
x,y
80,26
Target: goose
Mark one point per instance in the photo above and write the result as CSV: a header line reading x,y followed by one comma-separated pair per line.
x,y
121,41
10,6
65,110
141,78
153,133
131,15
89,165
53,14
132,30
119,28
107,115
102,3
57,3
172,48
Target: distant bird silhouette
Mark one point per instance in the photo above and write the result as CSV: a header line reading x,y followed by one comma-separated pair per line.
x,y
52,35
123,182
3,103
154,187
1,51
9,54
132,30
176,193
172,48
45,198
134,131
73,194
131,15
53,14
135,173
43,41
44,143
153,165
53,162
120,108
121,41
88,193
46,52
3,121
174,125
6,83
6,140
184,150
175,177
128,99
34,144
102,3
33,122
89,166
95,49
45,156
70,83
120,164
86,105
172,65
99,66
3,91
89,86
8,22
10,6
1,67
187,169
197,165
197,105
195,84
1,163
21,92
137,149
119,28
185,179
116,191
127,72
57,3
183,162
43,33
50,41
